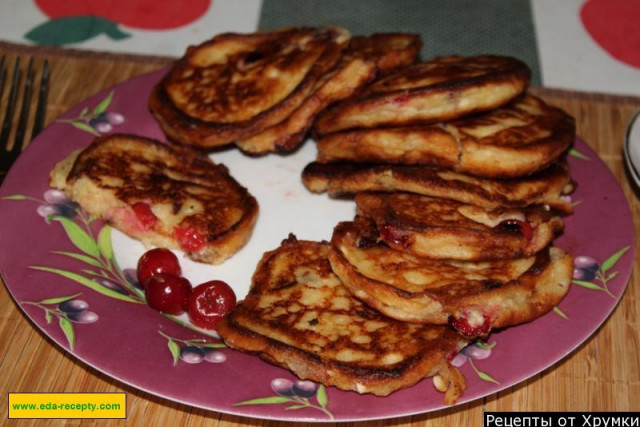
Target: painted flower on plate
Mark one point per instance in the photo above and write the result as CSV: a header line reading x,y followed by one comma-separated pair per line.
x,y
56,203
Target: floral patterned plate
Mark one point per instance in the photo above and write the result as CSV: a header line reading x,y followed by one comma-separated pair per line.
x,y
72,276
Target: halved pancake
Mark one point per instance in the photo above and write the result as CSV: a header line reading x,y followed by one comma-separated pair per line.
x,y
472,297
438,90
361,62
236,85
161,195
516,140
446,229
543,188
289,134
300,316
390,51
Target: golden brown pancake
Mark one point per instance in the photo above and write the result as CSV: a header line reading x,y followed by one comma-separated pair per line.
x,y
289,134
543,188
515,140
365,58
161,195
472,297
236,85
299,315
438,90
390,51
446,229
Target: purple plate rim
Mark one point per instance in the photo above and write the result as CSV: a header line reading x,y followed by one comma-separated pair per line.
x,y
40,145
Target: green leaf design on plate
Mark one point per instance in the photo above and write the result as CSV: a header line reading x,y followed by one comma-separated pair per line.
x,y
296,402
88,283
175,351
85,127
104,242
58,300
611,261
560,313
48,316
272,400
485,345
67,328
78,236
575,153
103,105
483,376
587,285
612,275
486,377
92,273
80,257
15,197
213,345
296,407
322,397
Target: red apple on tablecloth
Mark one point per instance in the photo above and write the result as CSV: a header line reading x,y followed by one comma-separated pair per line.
x,y
73,21
615,26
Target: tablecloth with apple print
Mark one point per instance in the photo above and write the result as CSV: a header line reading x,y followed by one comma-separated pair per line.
x,y
587,45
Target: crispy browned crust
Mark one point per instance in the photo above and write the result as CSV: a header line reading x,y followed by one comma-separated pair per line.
x,y
545,187
289,134
529,136
519,150
366,352
446,229
438,90
515,298
390,51
116,171
428,145
362,61
236,85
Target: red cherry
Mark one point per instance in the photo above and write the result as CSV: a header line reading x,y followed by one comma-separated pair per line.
x,y
209,302
168,293
156,261
519,226
464,328
189,238
394,235
402,99
145,215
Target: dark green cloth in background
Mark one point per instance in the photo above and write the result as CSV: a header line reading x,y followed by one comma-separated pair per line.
x,y
447,27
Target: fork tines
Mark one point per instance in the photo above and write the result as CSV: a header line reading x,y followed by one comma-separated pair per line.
x,y
9,152
41,108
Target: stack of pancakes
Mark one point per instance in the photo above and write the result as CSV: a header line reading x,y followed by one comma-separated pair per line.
x,y
459,176
299,315
262,90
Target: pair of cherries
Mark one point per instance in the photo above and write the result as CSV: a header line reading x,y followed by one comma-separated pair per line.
x,y
166,290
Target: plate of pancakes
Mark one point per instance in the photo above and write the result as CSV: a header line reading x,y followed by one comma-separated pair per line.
x,y
402,234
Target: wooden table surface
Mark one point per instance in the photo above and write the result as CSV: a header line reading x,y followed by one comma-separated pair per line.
x,y
584,381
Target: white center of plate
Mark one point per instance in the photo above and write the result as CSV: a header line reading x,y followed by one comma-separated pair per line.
x,y
286,206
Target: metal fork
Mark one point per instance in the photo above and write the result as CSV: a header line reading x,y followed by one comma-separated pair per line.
x,y
9,152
